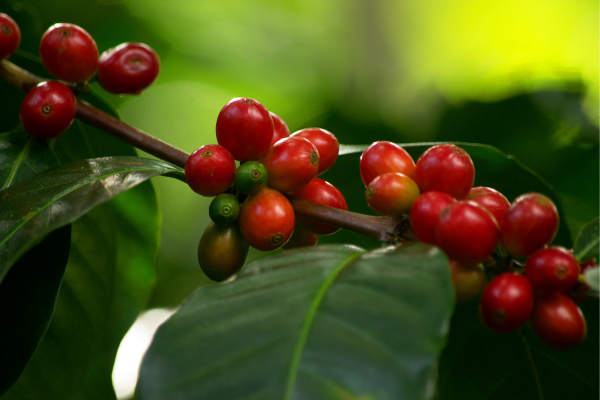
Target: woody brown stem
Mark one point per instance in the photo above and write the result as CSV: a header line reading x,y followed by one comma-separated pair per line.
x,y
388,229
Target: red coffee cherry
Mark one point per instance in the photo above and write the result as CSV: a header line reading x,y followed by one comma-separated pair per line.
x,y
10,36
490,199
382,157
210,170
292,163
267,219
280,128
301,238
557,321
245,128
468,280
392,194
326,144
467,232
69,53
506,302
425,214
530,224
48,110
446,168
322,192
554,269
128,68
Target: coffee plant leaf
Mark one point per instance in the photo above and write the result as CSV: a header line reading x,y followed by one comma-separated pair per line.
x,y
587,241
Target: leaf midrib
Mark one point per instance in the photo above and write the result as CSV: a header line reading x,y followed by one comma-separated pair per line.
x,y
293,371
17,164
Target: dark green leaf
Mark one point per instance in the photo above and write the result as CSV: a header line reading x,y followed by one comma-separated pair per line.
x,y
33,207
21,156
27,299
497,170
330,322
481,364
587,242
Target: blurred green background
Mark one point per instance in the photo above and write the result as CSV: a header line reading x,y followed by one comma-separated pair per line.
x,y
520,75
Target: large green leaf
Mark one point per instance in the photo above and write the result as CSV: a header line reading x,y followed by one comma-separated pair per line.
x,y
481,364
33,207
27,299
332,322
494,169
587,242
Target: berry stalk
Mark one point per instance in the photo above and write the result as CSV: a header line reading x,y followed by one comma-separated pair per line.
x,y
387,229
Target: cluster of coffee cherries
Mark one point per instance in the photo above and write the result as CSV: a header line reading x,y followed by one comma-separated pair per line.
x,y
70,54
469,224
249,207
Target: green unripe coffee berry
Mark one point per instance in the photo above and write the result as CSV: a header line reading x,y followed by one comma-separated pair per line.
x,y
222,251
224,209
250,176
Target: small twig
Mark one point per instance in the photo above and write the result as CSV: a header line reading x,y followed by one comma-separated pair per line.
x,y
388,229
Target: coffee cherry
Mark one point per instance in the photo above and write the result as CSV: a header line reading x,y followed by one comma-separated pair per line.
x,y
554,269
490,199
224,209
322,192
506,302
250,176
382,157
10,36
467,232
468,281
280,128
530,224
392,194
48,110
222,251
69,53
267,219
292,162
209,170
301,238
425,214
128,68
557,321
245,128
446,168
326,143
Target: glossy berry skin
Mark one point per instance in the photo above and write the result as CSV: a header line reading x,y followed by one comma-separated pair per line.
x,y
530,224
301,238
425,214
446,168
48,110
322,192
209,171
382,157
292,163
224,209
506,302
326,143
245,128
128,68
10,36
551,270
222,251
490,199
250,176
468,281
467,232
557,321
280,128
69,53
392,194
267,219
